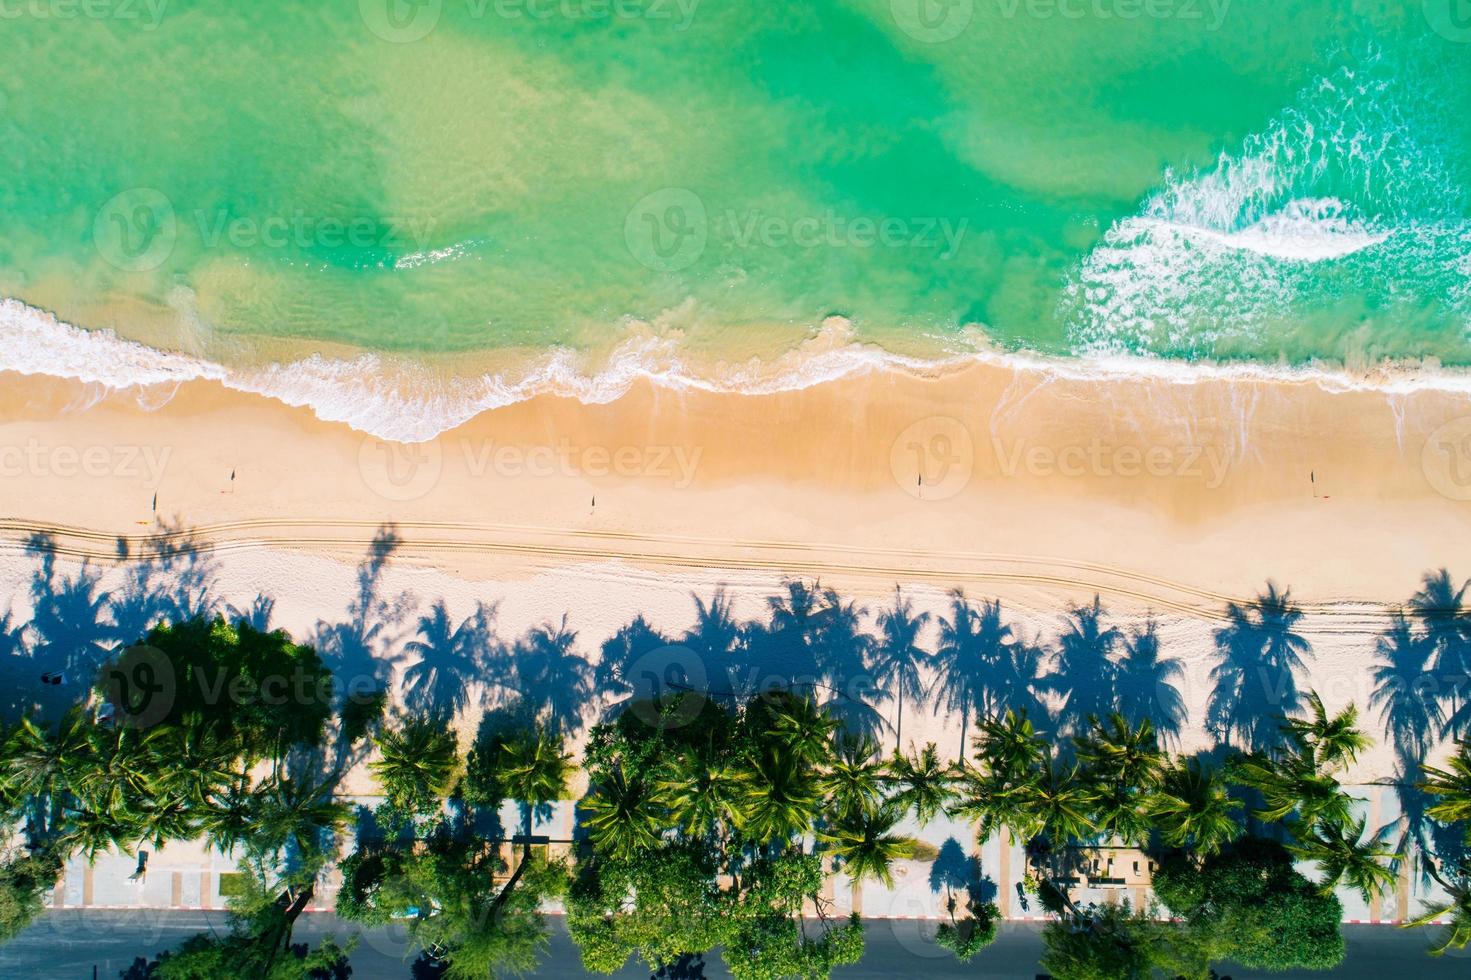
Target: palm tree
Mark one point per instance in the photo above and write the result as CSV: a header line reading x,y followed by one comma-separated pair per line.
x,y
450,657
623,815
802,728
1011,760
898,658
1086,673
973,642
1413,717
863,840
1457,909
418,764
228,818
535,770
776,794
1335,742
696,788
299,811
1143,683
1452,786
1342,855
1194,809
1122,767
1061,803
1293,784
923,783
1260,653
855,778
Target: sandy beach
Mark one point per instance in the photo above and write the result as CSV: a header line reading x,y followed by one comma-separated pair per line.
x,y
1163,497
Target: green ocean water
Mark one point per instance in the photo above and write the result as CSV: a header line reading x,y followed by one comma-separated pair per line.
x,y
1229,179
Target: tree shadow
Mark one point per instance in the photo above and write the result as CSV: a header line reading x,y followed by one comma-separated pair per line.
x,y
953,871
1406,691
624,656
1086,677
1143,685
984,668
356,649
1259,654
451,658
550,675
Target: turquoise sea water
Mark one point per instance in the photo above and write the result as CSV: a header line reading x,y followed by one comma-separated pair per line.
x,y
1229,179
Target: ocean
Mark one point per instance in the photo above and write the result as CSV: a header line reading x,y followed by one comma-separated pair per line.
x,y
404,212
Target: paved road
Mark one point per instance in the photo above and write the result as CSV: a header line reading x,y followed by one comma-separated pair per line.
x,y
67,945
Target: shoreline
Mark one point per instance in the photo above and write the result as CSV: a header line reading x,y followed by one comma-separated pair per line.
x,y
421,398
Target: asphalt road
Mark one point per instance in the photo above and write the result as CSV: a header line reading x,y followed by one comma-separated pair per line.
x,y
68,945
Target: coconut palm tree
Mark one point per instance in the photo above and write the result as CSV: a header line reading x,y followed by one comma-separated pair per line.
x,y
300,811
1336,742
1011,760
899,660
863,840
1116,752
1452,788
777,795
1061,803
1194,809
1293,785
854,779
696,787
799,726
1344,856
535,770
1143,683
417,766
1122,767
1454,911
623,814
923,783
1412,714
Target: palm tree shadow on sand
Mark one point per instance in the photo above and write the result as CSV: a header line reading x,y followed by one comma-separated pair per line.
x,y
1259,656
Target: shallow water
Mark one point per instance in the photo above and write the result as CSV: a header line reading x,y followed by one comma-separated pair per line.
x,y
672,185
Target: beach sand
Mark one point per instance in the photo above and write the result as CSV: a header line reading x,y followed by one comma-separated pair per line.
x,y
1165,497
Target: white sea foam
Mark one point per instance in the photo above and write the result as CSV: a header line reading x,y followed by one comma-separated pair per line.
x,y
1354,173
401,403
